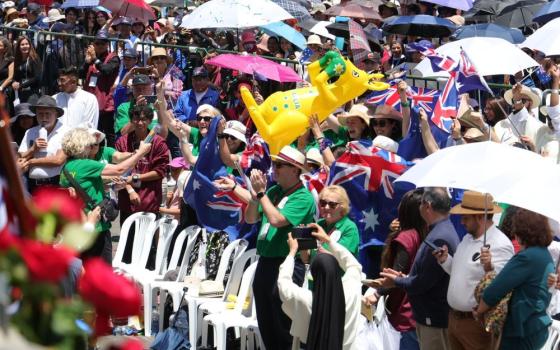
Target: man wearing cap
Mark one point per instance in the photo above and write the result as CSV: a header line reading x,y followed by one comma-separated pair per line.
x,y
141,86
100,70
200,94
44,156
466,268
129,61
521,125
427,282
35,17
372,63
282,207
80,107
124,28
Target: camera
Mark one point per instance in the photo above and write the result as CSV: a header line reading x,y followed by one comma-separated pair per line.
x,y
304,237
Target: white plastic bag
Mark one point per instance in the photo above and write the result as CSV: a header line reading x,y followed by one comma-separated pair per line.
x,y
390,336
368,336
16,99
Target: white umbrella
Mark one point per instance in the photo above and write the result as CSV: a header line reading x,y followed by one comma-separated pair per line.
x,y
545,39
321,29
512,175
490,56
234,14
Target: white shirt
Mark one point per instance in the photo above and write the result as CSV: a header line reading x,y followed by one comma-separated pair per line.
x,y
465,273
54,144
80,109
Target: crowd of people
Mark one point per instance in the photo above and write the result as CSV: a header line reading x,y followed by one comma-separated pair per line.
x,y
127,122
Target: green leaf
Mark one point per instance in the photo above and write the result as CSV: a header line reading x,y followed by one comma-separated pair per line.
x,y
75,237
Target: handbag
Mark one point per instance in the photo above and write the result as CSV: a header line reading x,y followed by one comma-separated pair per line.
x,y
108,207
495,318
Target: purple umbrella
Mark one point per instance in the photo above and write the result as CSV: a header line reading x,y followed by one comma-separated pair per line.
x,y
256,65
464,5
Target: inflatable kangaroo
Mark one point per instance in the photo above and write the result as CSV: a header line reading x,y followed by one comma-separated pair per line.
x,y
284,115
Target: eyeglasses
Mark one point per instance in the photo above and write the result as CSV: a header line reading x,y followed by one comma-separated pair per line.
x,y
324,204
379,122
279,165
140,119
204,118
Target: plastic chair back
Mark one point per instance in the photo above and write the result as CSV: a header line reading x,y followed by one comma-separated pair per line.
x,y
237,270
235,249
245,288
142,222
192,234
166,228
174,261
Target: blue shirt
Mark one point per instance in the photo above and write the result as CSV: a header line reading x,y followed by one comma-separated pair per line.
x,y
185,109
426,285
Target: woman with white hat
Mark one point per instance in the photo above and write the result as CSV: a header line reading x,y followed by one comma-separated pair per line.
x,y
232,141
102,153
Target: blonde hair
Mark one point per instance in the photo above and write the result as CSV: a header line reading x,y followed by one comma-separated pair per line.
x,y
76,142
340,192
208,108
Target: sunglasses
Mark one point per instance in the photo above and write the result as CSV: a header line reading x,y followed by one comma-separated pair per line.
x,y
159,58
324,204
279,165
204,118
381,123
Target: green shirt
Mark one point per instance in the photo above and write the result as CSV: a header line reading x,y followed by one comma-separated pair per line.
x,y
123,117
106,155
298,208
195,138
345,232
87,173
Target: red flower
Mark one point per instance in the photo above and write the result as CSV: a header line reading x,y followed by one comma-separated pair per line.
x,y
45,262
110,294
57,200
8,240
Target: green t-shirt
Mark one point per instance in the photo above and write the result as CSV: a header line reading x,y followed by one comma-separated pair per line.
x,y
195,138
122,117
87,173
298,208
345,232
106,155
338,139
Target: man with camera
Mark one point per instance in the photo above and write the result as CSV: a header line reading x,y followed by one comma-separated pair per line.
x,y
284,206
142,94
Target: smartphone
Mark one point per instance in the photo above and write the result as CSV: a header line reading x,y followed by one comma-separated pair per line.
x,y
143,70
150,98
431,245
304,237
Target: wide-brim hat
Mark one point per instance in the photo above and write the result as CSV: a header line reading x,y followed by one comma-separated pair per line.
x,y
475,203
525,90
47,101
385,143
387,112
99,136
236,129
53,16
314,156
23,109
474,135
10,11
357,110
290,155
314,39
159,51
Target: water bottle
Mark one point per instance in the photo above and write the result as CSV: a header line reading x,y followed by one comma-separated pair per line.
x,y
43,134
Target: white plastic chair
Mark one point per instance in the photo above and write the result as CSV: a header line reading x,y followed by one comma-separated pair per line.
x,y
553,336
251,336
237,249
190,233
231,318
143,222
213,306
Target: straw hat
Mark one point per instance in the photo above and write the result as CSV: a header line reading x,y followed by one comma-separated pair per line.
x,y
314,39
53,15
533,94
357,110
290,155
387,112
474,135
10,12
159,51
474,203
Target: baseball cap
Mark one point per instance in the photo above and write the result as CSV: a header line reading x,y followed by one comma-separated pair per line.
x,y
200,72
130,52
141,79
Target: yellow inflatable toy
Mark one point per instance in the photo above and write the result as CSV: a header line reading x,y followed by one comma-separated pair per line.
x,y
284,115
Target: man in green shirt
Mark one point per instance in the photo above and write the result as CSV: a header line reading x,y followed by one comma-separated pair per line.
x,y
279,209
142,86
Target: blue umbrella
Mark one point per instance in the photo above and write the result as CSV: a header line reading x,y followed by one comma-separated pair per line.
x,y
80,4
419,25
548,12
287,32
513,35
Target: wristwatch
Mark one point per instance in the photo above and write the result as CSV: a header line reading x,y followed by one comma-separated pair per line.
x,y
260,195
135,178
221,136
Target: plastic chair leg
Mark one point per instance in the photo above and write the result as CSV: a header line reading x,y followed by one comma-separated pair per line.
x,y
148,310
220,335
193,325
205,326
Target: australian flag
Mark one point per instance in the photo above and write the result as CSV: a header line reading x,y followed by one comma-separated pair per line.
x,y
255,156
315,182
367,173
216,210
418,96
412,146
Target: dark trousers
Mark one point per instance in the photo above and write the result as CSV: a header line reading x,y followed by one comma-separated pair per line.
x,y
102,247
106,125
274,324
33,184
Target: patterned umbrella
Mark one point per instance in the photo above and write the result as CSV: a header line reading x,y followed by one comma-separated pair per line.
x,y
354,11
80,4
294,8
